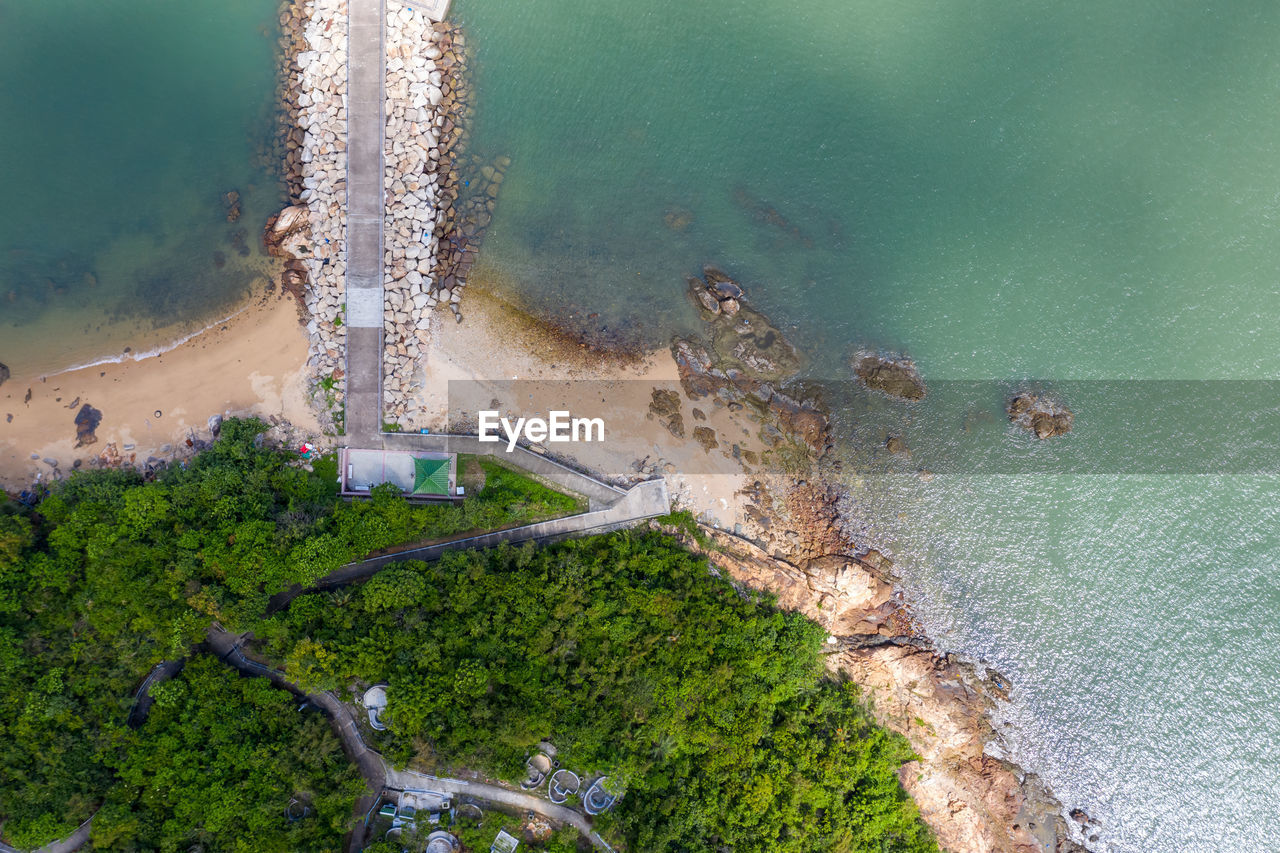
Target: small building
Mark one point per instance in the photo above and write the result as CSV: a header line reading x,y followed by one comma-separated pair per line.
x,y
504,843
419,475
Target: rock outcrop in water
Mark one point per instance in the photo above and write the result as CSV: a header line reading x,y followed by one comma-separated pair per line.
x,y
1041,416
793,542
896,377
716,293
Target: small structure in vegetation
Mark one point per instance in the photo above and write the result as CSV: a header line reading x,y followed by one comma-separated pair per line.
x,y
564,784
538,767
418,475
504,843
598,798
441,842
375,701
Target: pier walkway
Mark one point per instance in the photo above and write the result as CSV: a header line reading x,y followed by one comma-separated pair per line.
x,y
366,207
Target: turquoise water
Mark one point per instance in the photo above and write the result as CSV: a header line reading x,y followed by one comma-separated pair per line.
x,y
1009,191
122,123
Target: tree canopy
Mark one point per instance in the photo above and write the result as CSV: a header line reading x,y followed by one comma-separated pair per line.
x,y
227,763
710,709
116,573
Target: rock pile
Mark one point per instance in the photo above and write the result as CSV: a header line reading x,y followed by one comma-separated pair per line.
x,y
425,64
311,233
896,377
1041,416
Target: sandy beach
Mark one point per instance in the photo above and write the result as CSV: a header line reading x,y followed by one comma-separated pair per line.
x,y
499,353
252,364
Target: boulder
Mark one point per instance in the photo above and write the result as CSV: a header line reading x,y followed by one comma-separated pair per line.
x,y
1038,414
705,299
720,284
895,377
286,232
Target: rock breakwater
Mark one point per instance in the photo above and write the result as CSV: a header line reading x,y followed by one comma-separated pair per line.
x,y
310,234
425,97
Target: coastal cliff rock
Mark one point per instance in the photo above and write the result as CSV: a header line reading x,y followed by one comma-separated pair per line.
x,y
896,377
1040,415
973,801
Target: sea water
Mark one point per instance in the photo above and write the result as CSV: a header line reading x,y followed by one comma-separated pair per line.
x,y
122,125
1073,196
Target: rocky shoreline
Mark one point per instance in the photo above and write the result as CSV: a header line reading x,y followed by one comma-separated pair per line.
x,y
310,234
440,200
794,542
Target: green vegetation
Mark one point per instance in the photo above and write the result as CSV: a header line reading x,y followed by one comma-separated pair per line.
x,y
709,709
511,488
228,763
116,574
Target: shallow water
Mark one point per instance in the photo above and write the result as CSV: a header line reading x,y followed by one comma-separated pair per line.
x,y
1009,191
121,126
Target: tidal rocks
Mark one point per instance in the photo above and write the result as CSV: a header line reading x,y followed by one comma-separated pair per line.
x,y
706,437
1040,415
715,293
896,377
231,201
87,421
4,374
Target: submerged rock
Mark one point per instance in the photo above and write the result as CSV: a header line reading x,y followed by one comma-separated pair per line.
x,y
895,377
231,200
87,420
1040,415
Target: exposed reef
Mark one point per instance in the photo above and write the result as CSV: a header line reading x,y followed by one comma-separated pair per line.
x,y
1043,417
896,377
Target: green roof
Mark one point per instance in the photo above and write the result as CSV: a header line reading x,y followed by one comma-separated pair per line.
x,y
431,476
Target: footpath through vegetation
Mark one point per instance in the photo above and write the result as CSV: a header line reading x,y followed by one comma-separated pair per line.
x,y
709,711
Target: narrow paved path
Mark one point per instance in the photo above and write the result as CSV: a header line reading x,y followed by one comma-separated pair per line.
x,y
373,767
71,843
646,500
366,205
405,780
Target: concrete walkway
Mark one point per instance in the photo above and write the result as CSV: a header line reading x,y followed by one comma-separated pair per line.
x,y
598,494
409,780
366,206
643,501
373,767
